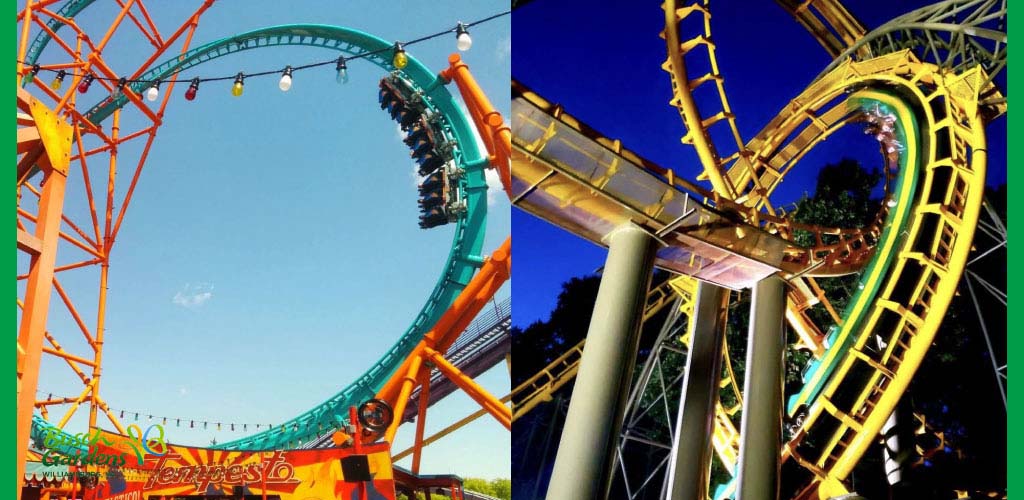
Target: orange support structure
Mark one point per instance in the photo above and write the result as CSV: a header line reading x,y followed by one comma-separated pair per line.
x,y
46,136
48,146
495,271
494,131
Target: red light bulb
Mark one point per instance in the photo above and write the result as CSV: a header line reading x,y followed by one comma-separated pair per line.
x,y
190,94
84,86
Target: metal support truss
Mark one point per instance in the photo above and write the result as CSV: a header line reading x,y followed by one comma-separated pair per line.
x,y
992,231
953,34
649,420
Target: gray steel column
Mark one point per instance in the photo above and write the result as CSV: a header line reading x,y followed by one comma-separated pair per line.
x,y
586,450
891,450
761,426
690,461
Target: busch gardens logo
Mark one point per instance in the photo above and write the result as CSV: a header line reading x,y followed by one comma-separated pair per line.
x,y
60,448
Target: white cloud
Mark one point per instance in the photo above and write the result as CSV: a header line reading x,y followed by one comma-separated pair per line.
x,y
183,391
192,296
504,49
495,191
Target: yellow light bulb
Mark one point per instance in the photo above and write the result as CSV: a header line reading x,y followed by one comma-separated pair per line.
x,y
236,89
58,81
400,60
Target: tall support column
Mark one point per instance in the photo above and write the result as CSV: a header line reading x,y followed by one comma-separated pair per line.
x,y
690,461
761,427
584,461
891,450
32,329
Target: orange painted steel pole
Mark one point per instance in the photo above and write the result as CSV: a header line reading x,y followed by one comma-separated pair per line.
x,y
23,46
495,271
37,301
88,185
55,142
421,418
74,312
493,405
149,21
480,289
403,396
97,368
113,26
192,21
488,119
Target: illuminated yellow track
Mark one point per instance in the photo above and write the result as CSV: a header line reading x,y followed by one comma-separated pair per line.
x,y
927,265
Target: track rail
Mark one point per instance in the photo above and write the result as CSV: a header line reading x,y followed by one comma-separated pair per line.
x,y
462,262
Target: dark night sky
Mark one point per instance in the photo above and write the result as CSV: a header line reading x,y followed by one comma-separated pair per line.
x,y
602,61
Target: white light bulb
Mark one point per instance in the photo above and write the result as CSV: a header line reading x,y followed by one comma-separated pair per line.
x,y
891,202
285,83
152,93
463,42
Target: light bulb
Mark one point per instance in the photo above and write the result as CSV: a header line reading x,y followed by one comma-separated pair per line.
x,y
238,87
59,80
84,86
153,92
462,38
190,94
891,202
121,82
342,69
400,59
286,80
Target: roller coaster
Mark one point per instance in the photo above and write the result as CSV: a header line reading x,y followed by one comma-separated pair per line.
x,y
923,85
61,129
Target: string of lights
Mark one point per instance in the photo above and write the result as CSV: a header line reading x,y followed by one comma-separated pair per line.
x,y
189,422
463,42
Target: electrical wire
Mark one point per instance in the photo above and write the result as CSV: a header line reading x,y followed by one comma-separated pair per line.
x,y
35,69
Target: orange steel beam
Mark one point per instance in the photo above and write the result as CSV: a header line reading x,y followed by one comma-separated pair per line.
x,y
408,382
37,301
421,419
74,313
67,267
490,403
64,236
65,218
55,144
466,306
88,184
149,21
447,430
38,5
496,133
131,187
81,375
86,58
23,47
138,24
396,391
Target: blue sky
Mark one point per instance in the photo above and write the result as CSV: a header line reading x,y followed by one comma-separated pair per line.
x,y
605,69
271,252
